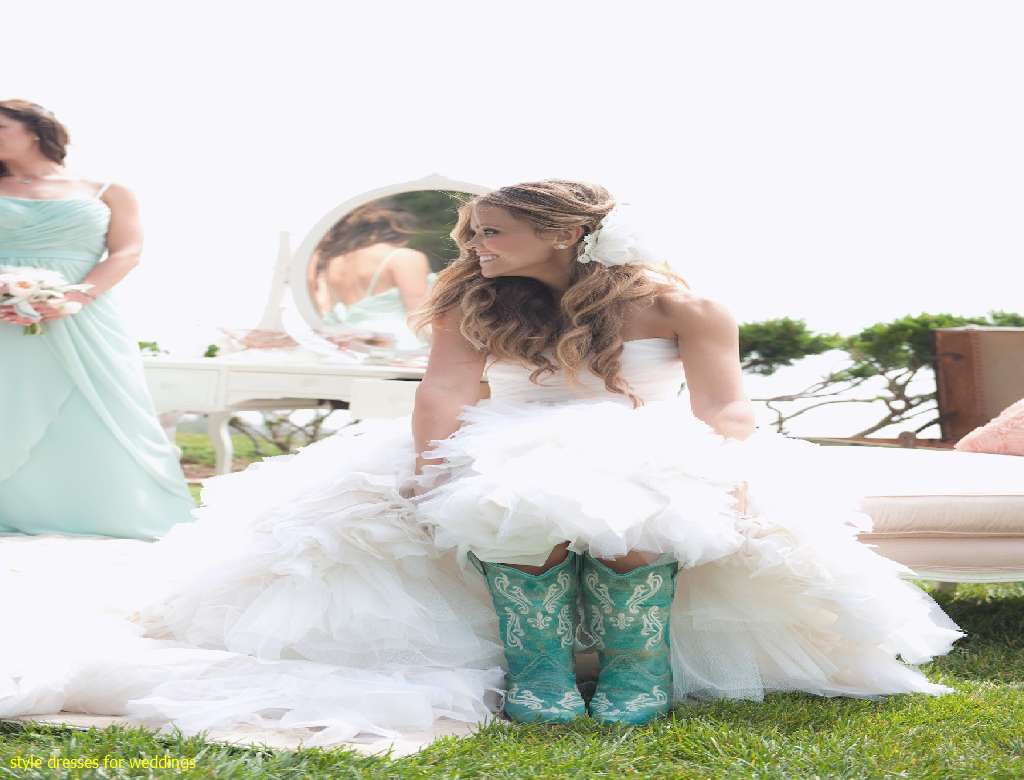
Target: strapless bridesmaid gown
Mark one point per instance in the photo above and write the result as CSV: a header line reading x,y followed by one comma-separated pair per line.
x,y
382,312
82,451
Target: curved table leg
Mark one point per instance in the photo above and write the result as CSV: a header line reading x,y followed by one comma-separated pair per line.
x,y
224,450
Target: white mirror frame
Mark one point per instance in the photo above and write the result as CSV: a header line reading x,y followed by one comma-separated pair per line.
x,y
292,268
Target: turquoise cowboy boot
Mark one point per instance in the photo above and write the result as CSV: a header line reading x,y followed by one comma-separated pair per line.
x,y
536,618
628,616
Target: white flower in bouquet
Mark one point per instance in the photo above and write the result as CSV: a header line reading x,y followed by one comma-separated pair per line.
x,y
69,307
18,286
23,287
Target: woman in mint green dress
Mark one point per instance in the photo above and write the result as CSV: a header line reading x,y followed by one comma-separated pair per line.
x,y
365,277
81,450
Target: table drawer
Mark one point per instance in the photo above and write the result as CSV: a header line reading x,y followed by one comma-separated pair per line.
x,y
187,390
373,398
264,384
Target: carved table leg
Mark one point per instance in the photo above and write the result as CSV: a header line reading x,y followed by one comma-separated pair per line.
x,y
217,430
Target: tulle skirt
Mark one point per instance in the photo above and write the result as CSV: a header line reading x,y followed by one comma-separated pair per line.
x,y
318,592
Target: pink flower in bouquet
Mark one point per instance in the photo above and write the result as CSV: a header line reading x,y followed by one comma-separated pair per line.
x,y
19,286
22,287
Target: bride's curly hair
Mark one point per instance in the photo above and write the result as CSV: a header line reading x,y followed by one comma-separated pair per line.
x,y
519,318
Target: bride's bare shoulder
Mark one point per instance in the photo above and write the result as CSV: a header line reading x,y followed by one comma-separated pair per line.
x,y
689,312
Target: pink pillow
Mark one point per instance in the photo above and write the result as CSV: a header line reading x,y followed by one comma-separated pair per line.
x,y
1002,436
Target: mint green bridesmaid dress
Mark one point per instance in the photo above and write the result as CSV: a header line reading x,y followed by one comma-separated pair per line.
x,y
81,450
374,309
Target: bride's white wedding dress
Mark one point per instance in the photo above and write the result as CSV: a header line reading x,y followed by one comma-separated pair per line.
x,y
312,593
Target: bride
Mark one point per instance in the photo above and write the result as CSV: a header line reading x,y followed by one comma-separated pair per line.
x,y
377,582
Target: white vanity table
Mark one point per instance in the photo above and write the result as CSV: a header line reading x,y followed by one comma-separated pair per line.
x,y
253,380
220,387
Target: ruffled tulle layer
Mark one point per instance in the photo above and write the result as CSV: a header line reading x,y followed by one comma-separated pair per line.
x,y
305,596
781,596
314,593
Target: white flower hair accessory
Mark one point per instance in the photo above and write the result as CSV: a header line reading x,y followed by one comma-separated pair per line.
x,y
615,241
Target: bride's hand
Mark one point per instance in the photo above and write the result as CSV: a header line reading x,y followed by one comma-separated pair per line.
x,y
418,484
411,489
740,494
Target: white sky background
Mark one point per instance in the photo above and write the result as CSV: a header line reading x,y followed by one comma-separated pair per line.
x,y
844,163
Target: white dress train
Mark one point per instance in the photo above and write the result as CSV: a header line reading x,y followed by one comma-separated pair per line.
x,y
313,594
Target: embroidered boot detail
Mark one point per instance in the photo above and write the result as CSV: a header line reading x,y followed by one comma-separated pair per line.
x,y
535,617
628,616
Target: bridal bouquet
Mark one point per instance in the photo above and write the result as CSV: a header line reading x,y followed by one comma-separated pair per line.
x,y
22,287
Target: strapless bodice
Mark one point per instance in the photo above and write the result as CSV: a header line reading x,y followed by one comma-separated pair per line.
x,y
651,367
383,306
67,235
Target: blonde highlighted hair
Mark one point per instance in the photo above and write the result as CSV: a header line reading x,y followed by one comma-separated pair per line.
x,y
521,319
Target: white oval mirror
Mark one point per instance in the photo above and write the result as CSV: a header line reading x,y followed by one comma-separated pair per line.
x,y
371,260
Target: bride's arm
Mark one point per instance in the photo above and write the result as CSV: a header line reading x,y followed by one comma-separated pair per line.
x,y
708,340
451,382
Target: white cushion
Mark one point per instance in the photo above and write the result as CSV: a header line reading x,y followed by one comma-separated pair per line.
x,y
947,515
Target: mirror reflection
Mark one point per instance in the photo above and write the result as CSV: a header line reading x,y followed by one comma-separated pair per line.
x,y
377,263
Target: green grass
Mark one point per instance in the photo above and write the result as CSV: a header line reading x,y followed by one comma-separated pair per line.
x,y
977,732
196,448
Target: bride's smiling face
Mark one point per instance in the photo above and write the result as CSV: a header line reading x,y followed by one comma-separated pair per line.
x,y
508,246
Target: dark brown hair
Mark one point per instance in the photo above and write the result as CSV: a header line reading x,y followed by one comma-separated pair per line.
x,y
53,136
373,223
